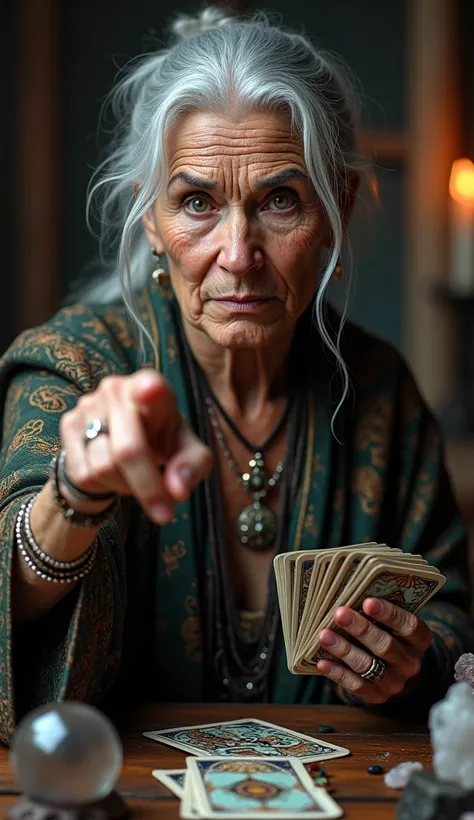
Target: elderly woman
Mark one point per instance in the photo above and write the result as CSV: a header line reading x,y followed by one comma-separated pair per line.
x,y
209,412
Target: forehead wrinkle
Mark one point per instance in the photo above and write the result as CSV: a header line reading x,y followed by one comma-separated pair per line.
x,y
235,174
233,155
214,147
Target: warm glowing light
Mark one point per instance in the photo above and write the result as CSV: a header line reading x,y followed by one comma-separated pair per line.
x,y
461,183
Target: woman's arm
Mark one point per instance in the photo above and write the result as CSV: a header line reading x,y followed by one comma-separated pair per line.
x,y
73,649
31,595
422,517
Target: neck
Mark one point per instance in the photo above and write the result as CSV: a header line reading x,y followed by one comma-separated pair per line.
x,y
244,380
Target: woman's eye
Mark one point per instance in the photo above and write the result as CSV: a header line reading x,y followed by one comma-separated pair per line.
x,y
197,205
281,202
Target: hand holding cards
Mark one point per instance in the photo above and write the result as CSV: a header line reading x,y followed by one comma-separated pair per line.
x,y
312,585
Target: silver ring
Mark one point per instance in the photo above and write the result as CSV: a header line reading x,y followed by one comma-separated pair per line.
x,y
95,428
376,671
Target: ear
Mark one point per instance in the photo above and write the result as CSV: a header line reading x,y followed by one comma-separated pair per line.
x,y
149,226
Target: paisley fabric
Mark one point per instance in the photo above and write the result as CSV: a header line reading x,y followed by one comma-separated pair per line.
x,y
133,629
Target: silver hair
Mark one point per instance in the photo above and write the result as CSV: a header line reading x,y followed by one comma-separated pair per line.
x,y
215,61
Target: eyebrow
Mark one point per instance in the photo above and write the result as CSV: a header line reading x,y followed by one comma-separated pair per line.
x,y
281,179
195,182
269,182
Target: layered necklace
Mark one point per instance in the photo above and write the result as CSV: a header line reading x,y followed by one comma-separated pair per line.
x,y
256,525
238,668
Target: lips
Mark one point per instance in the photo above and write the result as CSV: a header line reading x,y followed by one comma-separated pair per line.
x,y
247,304
243,299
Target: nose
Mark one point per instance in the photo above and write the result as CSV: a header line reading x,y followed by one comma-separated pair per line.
x,y
238,248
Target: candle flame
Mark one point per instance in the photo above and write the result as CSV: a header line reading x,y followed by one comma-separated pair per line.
x,y
461,183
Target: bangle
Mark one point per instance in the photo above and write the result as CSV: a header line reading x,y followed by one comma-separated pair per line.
x,y
64,572
86,520
43,557
73,489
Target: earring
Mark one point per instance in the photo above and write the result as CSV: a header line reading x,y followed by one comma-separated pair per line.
x,y
339,271
159,275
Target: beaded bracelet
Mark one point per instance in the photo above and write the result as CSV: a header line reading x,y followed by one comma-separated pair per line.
x,y
64,572
43,557
86,520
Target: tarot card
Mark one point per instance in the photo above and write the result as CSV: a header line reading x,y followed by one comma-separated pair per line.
x,y
408,587
249,737
354,570
173,779
284,567
339,574
266,788
188,808
300,571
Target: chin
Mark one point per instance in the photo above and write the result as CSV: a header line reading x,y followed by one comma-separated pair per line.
x,y
244,333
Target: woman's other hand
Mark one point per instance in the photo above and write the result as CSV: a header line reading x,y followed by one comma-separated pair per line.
x,y
401,649
148,451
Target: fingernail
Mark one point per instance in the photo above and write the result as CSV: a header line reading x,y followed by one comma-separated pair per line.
x,y
184,473
328,640
376,607
161,513
345,619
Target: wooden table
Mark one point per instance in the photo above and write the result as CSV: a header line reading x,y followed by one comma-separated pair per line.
x,y
371,738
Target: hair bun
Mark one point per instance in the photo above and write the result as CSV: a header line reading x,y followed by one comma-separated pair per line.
x,y
191,25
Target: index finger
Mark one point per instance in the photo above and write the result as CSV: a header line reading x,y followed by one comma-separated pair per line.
x,y
405,624
156,403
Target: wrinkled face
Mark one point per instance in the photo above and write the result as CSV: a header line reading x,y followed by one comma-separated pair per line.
x,y
240,224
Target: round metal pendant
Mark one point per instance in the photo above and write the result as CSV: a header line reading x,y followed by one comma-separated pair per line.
x,y
256,526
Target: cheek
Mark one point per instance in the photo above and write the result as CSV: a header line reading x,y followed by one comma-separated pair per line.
x,y
297,258
188,259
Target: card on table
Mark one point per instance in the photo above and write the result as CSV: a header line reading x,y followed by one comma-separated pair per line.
x,y
237,787
311,585
249,737
173,779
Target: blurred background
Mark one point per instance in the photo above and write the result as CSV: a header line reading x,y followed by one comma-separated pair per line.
x,y
414,251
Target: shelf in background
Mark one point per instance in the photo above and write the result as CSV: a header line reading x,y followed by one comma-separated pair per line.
x,y
384,145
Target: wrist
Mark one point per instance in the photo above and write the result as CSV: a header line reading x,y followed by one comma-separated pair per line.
x,y
70,512
91,506
79,499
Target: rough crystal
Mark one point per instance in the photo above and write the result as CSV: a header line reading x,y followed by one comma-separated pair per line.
x,y
464,669
451,725
398,777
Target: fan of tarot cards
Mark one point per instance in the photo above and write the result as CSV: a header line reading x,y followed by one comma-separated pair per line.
x,y
250,768
312,585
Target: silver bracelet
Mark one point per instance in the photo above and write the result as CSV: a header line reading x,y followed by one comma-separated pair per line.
x,y
24,514
63,572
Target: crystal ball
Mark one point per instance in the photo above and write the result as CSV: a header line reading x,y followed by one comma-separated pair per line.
x,y
66,754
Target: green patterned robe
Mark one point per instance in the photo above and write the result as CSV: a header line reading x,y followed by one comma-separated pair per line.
x,y
132,629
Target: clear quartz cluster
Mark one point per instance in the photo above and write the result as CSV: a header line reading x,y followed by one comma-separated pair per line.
x,y
451,724
464,669
398,777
